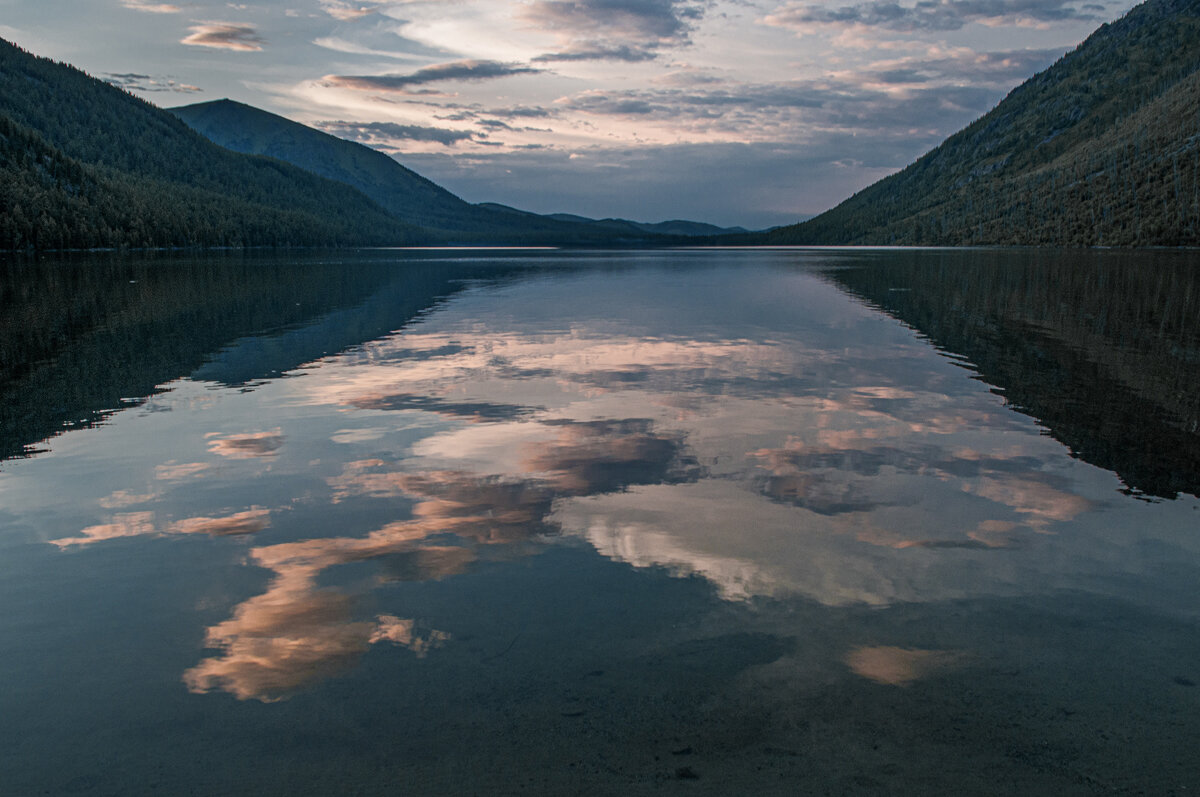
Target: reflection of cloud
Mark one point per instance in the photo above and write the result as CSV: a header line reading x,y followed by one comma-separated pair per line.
x,y
402,632
296,633
1032,495
123,498
474,410
141,524
153,8
246,446
224,36
900,666
177,471
835,476
350,436
642,545
343,11
819,493
248,522
282,640
129,524
602,456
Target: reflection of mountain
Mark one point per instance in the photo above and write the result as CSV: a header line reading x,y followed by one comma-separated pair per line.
x,y
83,338
1117,382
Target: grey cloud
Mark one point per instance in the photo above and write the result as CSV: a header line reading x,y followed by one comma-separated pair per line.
x,y
455,70
132,81
930,15
465,112
671,103
384,132
224,36
850,102
592,52
613,30
521,111
901,76
976,68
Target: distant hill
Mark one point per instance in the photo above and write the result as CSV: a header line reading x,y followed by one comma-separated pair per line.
x,y
84,164
403,192
672,227
1101,149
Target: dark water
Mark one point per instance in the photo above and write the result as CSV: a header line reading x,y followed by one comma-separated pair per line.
x,y
776,522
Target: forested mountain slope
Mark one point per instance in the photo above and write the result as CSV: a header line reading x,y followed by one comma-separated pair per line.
x,y
401,191
85,164
244,128
1101,149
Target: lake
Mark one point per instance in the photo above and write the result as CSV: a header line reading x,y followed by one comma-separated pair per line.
x,y
699,522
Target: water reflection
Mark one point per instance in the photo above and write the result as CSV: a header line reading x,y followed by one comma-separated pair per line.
x,y
296,633
1102,348
762,433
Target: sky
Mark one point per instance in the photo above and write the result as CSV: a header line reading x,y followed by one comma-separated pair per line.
x,y
734,112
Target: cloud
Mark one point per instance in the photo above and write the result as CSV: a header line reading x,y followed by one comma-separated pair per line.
x,y
926,15
455,70
132,81
153,8
224,36
383,133
612,30
634,20
1001,68
622,52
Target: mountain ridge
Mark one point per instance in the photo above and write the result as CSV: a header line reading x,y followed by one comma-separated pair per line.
x,y
84,164
406,194
1097,150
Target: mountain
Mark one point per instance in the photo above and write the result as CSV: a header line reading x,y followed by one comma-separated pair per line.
x,y
1101,149
403,192
671,227
85,164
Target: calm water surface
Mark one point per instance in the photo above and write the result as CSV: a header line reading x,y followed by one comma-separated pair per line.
x,y
779,522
